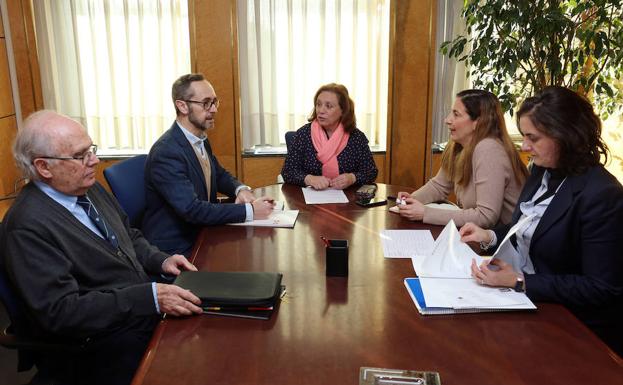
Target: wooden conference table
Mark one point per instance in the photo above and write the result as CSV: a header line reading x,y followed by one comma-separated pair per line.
x,y
327,328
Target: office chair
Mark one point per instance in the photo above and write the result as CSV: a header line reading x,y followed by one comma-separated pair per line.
x,y
289,139
127,182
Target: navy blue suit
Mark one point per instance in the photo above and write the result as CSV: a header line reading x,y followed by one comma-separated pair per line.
x,y
577,250
177,199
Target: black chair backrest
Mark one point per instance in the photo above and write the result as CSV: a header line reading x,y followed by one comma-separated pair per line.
x,y
127,182
7,295
289,139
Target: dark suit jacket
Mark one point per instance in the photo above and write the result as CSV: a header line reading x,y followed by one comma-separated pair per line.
x,y
577,250
74,284
177,199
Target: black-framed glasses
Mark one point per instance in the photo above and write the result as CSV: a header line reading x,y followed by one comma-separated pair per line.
x,y
84,158
207,104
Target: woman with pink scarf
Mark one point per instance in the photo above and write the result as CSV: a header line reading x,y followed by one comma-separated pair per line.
x,y
330,152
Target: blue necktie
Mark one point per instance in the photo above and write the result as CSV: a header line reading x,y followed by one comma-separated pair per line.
x,y
106,231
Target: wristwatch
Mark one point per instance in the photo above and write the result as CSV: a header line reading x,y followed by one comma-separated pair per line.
x,y
247,188
520,285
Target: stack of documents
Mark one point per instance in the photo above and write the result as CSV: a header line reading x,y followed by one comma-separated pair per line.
x,y
456,295
445,284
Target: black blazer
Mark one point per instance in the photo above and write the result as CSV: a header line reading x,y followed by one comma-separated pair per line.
x,y
577,250
177,199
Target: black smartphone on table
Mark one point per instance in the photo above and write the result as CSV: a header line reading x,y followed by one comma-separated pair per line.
x,y
371,202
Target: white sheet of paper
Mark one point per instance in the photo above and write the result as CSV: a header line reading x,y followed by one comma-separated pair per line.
x,y
449,257
316,197
278,218
464,293
406,243
443,206
507,253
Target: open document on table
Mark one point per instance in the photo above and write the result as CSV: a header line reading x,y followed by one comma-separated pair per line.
x,y
448,257
444,284
278,218
316,197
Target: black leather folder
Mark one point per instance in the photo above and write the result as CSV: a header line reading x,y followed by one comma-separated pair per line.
x,y
239,294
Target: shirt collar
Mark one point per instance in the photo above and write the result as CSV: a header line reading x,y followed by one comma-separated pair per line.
x,y
192,138
67,201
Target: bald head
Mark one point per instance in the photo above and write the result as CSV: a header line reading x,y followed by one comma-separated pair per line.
x,y
45,133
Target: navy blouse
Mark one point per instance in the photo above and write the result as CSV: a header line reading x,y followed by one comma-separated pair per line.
x,y
301,160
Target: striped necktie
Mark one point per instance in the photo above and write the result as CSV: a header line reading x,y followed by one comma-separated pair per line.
x,y
91,211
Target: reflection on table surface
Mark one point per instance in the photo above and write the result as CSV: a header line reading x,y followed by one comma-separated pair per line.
x,y
328,327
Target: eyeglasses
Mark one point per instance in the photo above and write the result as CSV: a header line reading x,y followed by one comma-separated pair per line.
x,y
84,158
206,104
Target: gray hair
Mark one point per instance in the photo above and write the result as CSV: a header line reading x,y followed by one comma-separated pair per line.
x,y
32,141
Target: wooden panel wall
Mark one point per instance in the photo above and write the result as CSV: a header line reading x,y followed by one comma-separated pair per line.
x,y
20,24
263,170
8,127
214,47
25,53
214,52
413,61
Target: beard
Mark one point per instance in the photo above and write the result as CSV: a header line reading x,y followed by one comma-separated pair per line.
x,y
200,124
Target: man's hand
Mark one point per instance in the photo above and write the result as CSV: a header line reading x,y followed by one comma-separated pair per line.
x,y
317,182
262,207
244,196
175,264
176,301
412,209
343,181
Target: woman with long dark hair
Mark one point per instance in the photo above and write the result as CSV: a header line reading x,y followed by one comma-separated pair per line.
x,y
568,249
480,164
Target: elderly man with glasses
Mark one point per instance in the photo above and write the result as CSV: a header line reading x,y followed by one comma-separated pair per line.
x,y
77,266
182,175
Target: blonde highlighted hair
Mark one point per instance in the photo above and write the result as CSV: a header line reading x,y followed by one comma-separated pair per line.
x,y
483,107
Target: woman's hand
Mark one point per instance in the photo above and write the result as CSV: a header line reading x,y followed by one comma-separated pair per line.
x,y
501,275
318,182
343,181
411,208
472,233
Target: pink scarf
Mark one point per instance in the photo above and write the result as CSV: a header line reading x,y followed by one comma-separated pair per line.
x,y
329,149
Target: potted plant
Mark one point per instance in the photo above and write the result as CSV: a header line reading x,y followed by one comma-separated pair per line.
x,y
515,48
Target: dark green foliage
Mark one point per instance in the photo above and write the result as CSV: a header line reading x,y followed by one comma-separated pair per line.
x,y
520,46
